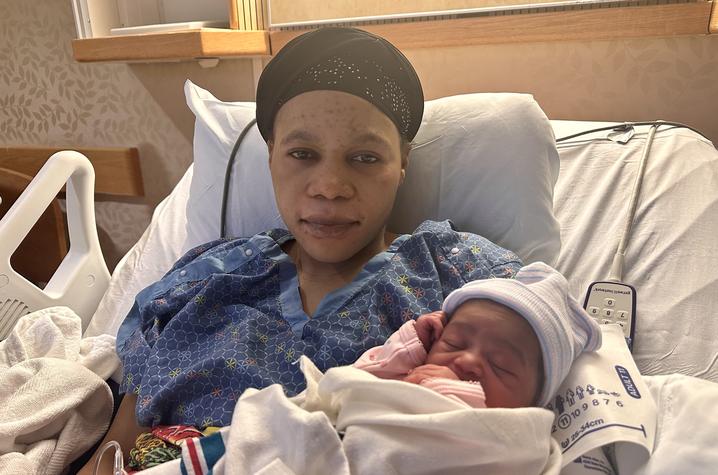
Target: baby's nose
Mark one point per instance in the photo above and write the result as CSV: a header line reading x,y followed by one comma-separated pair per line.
x,y
470,365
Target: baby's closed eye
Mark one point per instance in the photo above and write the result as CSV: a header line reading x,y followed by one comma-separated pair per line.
x,y
500,368
451,344
504,364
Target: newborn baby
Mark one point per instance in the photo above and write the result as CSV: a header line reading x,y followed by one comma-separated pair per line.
x,y
495,343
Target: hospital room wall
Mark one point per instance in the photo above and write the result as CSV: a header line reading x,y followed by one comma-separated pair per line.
x,y
46,98
617,80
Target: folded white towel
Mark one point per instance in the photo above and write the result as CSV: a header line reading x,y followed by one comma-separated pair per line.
x,y
54,402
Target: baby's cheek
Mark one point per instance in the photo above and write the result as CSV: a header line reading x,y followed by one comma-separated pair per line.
x,y
434,356
500,394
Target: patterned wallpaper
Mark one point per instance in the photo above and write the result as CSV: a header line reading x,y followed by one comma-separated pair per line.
x,y
48,99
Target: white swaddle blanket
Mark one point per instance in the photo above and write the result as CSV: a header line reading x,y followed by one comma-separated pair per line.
x,y
54,402
388,427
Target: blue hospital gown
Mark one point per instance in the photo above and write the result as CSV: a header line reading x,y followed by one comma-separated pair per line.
x,y
228,316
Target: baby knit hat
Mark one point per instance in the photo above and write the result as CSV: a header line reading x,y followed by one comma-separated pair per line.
x,y
540,294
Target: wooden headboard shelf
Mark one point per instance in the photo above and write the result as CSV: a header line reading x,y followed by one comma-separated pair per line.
x,y
117,170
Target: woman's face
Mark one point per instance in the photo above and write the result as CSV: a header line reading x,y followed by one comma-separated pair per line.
x,y
336,164
487,342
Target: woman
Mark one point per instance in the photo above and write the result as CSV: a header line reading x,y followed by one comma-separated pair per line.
x,y
338,108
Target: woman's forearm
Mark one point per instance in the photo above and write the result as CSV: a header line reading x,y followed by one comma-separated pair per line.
x,y
124,429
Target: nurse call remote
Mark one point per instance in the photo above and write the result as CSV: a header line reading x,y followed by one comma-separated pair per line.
x,y
613,302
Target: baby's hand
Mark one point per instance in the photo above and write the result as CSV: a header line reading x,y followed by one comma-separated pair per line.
x,y
429,327
420,373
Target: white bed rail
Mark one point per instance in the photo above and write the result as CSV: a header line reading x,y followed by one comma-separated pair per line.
x,y
82,277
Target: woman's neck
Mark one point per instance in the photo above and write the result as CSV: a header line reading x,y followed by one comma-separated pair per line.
x,y
317,279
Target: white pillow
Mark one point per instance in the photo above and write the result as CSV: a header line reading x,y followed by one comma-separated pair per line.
x,y
488,162
163,242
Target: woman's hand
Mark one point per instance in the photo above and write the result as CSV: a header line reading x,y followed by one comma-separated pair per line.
x,y
420,373
429,327
124,430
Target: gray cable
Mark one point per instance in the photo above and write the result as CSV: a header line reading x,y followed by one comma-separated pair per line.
x,y
228,177
626,126
616,272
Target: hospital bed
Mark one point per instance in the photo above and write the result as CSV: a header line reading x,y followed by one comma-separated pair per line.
x,y
672,252
568,205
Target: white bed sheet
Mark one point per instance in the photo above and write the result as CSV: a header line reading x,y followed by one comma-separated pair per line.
x,y
672,255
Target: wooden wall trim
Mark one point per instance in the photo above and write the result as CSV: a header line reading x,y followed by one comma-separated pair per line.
x,y
117,170
173,45
713,27
233,15
592,24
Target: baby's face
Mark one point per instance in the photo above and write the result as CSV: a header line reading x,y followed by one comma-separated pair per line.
x,y
487,342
